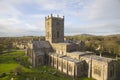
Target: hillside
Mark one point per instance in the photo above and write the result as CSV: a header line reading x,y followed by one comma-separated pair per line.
x,y
110,43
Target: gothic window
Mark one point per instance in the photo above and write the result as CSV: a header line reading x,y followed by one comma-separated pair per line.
x,y
31,52
40,60
64,65
48,34
70,68
81,68
50,59
53,35
112,71
57,23
58,34
97,71
59,63
55,61
85,66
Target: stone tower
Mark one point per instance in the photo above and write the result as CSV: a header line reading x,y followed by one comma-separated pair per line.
x,y
54,27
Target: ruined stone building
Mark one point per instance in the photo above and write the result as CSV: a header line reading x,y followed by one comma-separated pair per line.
x,y
68,58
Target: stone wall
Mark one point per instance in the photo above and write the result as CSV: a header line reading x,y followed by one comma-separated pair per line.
x,y
67,67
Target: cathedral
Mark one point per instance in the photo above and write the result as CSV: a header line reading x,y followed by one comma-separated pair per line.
x,y
69,58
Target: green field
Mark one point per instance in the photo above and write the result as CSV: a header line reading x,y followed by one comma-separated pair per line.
x,y
8,63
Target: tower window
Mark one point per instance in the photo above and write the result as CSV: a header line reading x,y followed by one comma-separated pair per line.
x,y
58,34
57,23
48,34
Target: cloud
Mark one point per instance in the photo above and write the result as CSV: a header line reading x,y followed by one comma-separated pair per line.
x,y
8,10
14,22
96,29
18,27
98,17
101,10
26,17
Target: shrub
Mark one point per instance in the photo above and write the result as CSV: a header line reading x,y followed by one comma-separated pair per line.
x,y
2,75
18,70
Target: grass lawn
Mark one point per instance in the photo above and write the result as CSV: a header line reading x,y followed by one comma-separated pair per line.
x,y
8,63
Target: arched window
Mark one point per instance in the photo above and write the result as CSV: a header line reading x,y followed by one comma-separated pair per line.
x,y
58,34
59,63
69,68
40,61
48,34
58,23
64,65
112,71
97,70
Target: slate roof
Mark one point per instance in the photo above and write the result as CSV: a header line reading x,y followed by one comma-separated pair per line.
x,y
71,59
81,53
41,44
39,52
98,58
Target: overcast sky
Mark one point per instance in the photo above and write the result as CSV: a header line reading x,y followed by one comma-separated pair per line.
x,y
26,17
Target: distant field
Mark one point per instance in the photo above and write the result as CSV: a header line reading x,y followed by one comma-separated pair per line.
x,y
8,63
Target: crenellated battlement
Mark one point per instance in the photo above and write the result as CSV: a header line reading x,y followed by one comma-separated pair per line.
x,y
51,16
